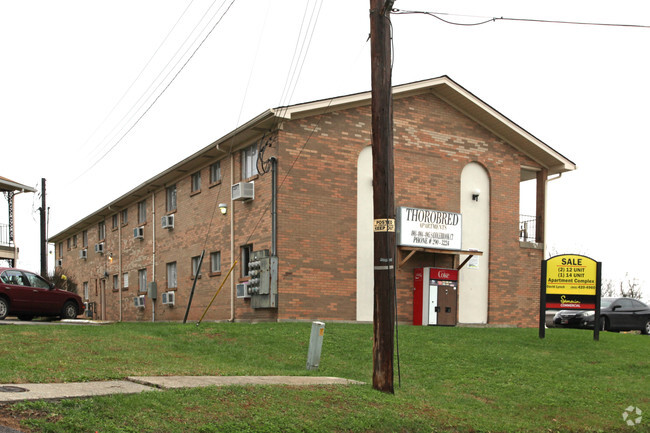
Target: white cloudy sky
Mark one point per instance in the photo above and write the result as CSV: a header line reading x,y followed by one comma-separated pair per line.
x,y
76,76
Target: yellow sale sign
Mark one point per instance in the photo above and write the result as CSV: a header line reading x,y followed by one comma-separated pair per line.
x,y
571,275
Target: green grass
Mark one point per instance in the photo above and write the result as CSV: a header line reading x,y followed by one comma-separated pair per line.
x,y
453,379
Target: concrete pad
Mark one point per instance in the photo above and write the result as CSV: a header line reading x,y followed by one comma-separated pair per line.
x,y
170,382
49,391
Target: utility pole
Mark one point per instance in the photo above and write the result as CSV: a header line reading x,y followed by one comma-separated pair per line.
x,y
383,195
43,231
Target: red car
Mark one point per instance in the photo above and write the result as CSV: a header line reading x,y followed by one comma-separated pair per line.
x,y
27,295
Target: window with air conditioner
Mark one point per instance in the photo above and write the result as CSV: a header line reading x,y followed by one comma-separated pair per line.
x,y
249,162
171,198
172,275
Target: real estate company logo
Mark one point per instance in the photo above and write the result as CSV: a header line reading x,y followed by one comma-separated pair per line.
x,y
632,416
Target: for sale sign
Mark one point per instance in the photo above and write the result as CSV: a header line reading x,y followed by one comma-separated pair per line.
x,y
571,282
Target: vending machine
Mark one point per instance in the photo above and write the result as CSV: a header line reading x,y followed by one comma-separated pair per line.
x,y
435,296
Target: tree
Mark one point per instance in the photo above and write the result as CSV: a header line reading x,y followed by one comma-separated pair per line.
x,y
627,288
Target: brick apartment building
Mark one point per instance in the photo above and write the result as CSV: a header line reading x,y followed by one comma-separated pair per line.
x,y
455,156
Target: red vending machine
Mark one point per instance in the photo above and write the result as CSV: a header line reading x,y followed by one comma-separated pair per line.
x,y
435,296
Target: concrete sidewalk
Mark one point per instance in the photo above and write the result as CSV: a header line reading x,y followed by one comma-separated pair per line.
x,y
133,385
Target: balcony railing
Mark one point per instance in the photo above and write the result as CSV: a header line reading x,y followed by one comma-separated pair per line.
x,y
4,236
528,228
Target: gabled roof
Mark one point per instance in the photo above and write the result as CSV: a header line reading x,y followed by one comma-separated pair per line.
x,y
461,99
443,87
9,185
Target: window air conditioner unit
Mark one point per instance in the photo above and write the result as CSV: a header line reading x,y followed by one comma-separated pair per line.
x,y
168,298
99,248
243,191
168,222
138,233
59,263
242,290
83,254
138,301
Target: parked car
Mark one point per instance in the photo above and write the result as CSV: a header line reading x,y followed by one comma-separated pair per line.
x,y
616,314
28,295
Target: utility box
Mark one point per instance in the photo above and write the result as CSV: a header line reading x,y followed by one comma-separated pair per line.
x,y
152,290
263,283
315,345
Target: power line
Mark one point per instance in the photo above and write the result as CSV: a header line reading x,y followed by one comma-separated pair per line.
x,y
485,20
159,95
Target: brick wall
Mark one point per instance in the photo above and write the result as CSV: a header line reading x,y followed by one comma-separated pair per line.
x,y
317,221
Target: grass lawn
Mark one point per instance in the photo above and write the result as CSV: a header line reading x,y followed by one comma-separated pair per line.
x,y
453,379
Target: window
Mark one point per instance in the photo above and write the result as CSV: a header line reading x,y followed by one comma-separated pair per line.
x,y
101,231
215,262
125,217
142,212
74,241
195,266
215,172
171,198
60,250
171,275
37,281
115,222
142,280
249,162
196,182
86,290
116,282
246,252
125,280
84,239
68,242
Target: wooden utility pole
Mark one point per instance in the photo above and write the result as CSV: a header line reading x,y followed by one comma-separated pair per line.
x,y
383,195
43,230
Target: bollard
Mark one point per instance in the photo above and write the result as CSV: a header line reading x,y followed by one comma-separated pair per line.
x,y
315,345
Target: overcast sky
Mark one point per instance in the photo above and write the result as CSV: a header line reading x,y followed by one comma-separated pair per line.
x,y
78,80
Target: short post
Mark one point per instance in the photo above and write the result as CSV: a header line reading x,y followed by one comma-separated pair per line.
x,y
315,345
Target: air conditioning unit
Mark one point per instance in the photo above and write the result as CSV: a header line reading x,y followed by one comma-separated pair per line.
x,y
59,263
83,254
242,290
243,191
168,222
138,301
138,233
169,298
99,248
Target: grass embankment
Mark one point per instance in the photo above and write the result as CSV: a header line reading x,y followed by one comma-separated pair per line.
x,y
453,379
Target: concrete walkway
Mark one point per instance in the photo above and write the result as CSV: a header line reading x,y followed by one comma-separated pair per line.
x,y
132,385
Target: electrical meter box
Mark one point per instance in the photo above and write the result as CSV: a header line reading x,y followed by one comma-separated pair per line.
x,y
263,282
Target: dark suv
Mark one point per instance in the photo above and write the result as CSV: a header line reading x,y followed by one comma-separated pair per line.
x,y
27,295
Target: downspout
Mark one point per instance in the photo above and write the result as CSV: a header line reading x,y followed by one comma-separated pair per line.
x,y
153,247
119,265
232,239
546,208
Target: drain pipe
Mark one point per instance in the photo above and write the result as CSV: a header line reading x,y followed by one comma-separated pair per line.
x,y
232,239
274,206
153,246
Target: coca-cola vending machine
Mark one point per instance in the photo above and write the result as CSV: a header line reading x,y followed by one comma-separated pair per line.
x,y
435,296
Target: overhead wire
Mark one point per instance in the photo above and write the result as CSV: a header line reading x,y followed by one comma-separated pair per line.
x,y
485,20
112,110
163,90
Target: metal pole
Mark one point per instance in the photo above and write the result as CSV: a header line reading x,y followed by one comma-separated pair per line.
x,y
43,231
